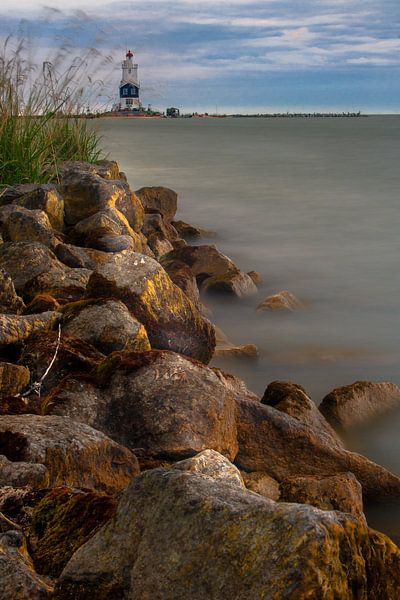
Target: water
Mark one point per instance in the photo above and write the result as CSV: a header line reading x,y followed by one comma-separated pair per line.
x,y
313,206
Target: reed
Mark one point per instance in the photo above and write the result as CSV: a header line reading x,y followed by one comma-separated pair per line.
x,y
42,114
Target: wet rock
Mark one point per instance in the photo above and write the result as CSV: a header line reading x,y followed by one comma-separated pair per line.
x,y
236,284
73,454
10,302
255,277
189,232
179,535
282,446
43,197
62,521
283,301
261,483
25,225
160,200
86,193
339,492
107,325
214,465
18,579
182,276
74,356
293,400
16,328
358,403
225,348
163,403
170,318
13,379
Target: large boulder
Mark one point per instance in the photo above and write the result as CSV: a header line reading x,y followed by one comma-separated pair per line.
x,y
168,406
37,197
61,451
293,400
107,169
182,276
18,578
10,302
171,320
105,324
160,200
87,193
282,446
69,355
358,403
179,535
338,492
15,328
64,285
25,225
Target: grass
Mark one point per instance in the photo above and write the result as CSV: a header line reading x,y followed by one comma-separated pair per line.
x,y
42,114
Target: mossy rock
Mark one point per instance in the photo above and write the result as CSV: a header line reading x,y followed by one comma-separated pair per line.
x,y
64,520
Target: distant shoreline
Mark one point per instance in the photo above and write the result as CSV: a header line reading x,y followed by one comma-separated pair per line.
x,y
239,116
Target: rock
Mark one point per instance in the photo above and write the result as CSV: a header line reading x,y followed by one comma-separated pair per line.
x,y
282,301
358,403
293,400
155,225
189,232
13,379
107,325
25,225
16,328
118,243
23,261
74,356
64,286
107,169
43,197
107,223
171,320
42,303
18,579
215,271
255,277
236,386
10,303
160,200
179,535
261,483
182,276
81,258
162,403
20,473
21,405
86,193
73,454
338,492
213,465
62,521
283,446
160,247
225,348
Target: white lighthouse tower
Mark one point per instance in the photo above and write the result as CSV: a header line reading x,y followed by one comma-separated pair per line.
x,y
129,86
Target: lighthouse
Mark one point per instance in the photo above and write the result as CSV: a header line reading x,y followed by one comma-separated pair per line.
x,y
129,86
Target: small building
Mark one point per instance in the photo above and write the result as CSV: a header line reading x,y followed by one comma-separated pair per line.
x,y
172,112
129,86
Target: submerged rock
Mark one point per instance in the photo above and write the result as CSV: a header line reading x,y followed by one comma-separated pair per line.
x,y
179,535
60,451
171,320
190,232
358,403
283,301
168,406
225,348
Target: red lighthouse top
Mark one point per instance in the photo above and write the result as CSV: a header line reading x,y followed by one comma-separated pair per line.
x,y
129,54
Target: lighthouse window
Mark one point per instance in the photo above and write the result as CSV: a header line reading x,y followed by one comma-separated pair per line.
x,y
125,92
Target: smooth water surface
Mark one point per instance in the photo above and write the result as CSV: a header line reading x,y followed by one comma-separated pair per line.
x,y
313,206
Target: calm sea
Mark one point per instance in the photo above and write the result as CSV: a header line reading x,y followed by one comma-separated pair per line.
x,y
313,206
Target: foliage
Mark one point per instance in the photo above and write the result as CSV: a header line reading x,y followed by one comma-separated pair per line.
x,y
42,112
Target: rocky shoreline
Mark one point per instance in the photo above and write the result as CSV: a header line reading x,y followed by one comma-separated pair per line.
x,y
131,469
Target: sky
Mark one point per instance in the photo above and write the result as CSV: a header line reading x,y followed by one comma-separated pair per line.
x,y
229,56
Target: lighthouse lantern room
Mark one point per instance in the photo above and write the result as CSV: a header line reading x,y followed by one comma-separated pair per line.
x,y
129,86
